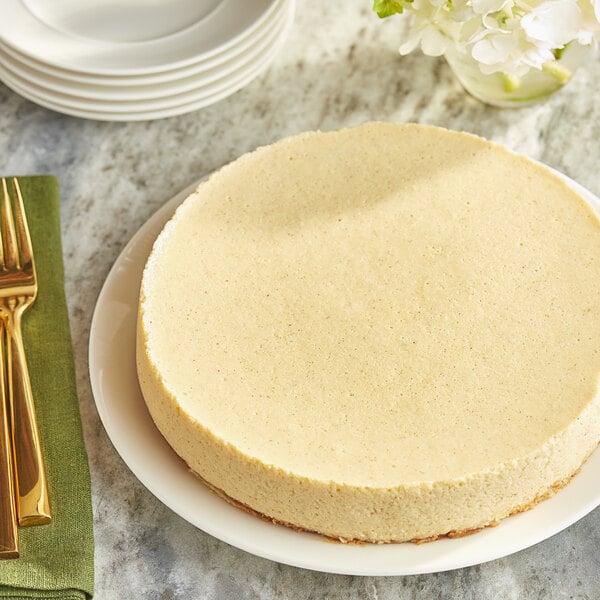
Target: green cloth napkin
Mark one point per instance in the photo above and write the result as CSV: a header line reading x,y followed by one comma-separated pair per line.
x,y
56,560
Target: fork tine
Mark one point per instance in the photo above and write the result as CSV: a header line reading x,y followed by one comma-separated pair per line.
x,y
11,250
8,507
26,254
5,198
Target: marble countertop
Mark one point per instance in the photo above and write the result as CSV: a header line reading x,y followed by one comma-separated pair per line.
x,y
339,67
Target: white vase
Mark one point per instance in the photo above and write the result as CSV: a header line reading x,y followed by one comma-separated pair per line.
x,y
500,89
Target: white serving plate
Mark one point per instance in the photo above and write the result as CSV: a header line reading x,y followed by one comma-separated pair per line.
x,y
46,32
54,88
160,109
132,431
195,68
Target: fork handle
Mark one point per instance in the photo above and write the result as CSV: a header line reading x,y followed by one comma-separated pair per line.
x,y
8,510
33,507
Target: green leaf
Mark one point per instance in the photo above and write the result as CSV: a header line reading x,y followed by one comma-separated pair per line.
x,y
387,8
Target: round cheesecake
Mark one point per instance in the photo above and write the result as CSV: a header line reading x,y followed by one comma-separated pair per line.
x,y
384,333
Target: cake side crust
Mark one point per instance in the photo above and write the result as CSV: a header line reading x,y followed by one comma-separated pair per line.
x,y
545,495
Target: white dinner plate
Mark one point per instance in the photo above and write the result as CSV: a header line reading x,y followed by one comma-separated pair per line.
x,y
50,32
159,109
210,81
132,431
121,21
199,66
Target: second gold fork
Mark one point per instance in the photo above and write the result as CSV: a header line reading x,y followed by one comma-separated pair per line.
x,y
18,289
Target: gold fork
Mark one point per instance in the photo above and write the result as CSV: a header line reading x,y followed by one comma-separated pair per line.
x,y
18,289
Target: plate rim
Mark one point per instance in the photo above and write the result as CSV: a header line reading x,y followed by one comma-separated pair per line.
x,y
346,565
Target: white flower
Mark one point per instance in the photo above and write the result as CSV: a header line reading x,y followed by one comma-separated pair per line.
x,y
432,41
590,13
494,48
510,52
485,7
553,23
509,36
432,28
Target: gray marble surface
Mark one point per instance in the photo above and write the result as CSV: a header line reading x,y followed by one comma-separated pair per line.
x,y
339,67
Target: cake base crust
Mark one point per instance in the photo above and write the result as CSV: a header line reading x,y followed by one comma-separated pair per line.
x,y
551,491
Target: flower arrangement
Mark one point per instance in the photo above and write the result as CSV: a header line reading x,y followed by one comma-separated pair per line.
x,y
507,37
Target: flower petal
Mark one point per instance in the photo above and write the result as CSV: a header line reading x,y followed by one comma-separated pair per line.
x,y
554,22
493,49
434,42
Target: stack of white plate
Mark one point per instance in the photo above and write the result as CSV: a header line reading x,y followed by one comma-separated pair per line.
x,y
128,60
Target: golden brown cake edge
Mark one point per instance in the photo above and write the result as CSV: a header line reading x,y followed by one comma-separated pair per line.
x,y
547,494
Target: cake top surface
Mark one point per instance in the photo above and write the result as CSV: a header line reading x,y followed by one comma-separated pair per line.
x,y
378,304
